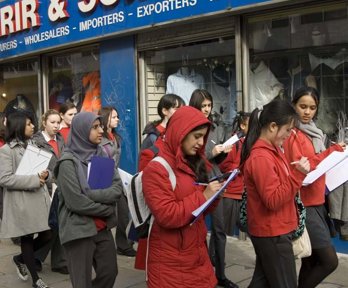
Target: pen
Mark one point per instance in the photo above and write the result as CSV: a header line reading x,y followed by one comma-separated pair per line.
x,y
212,141
200,184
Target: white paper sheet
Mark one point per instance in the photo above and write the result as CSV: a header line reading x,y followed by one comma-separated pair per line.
x,y
230,141
34,161
207,203
324,166
337,175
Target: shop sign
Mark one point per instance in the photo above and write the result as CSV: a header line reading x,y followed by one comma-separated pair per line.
x,y
32,25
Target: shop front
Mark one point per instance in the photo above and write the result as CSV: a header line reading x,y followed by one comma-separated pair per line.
x,y
130,53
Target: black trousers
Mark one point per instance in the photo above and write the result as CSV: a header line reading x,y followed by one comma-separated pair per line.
x,y
121,237
217,244
275,263
98,252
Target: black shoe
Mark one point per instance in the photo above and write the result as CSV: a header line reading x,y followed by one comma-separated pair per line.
x,y
61,270
227,283
129,252
38,265
21,269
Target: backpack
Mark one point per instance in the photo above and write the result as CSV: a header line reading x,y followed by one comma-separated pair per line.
x,y
53,213
140,212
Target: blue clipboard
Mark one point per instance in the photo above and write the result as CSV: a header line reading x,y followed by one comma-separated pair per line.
x,y
198,212
101,172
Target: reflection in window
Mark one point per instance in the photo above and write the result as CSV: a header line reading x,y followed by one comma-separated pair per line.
x,y
302,48
74,77
180,70
19,87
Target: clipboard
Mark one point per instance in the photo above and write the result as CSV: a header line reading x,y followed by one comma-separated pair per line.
x,y
331,161
34,161
100,172
207,203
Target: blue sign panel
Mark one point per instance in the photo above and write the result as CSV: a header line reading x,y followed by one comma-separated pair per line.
x,y
32,25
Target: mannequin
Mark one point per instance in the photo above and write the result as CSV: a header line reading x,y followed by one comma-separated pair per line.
x,y
223,89
184,82
264,86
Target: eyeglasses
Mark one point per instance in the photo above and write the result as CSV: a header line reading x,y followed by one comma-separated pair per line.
x,y
97,126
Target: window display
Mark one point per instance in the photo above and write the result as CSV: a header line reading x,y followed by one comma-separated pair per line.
x,y
302,47
19,87
201,65
75,77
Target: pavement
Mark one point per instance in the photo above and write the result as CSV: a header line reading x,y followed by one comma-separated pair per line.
x,y
240,261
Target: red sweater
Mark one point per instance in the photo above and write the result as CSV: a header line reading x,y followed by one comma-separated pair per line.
x,y
235,189
299,144
64,131
271,186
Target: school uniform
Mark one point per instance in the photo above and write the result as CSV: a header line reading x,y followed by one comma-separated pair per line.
x,y
313,196
271,185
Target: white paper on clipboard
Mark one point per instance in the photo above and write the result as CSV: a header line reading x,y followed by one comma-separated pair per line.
x,y
34,161
207,203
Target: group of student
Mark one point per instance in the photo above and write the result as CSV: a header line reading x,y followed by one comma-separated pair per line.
x,y
278,145
83,239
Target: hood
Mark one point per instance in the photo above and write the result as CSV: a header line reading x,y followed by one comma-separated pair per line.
x,y
182,123
64,156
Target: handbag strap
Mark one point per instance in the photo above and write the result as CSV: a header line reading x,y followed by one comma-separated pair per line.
x,y
301,218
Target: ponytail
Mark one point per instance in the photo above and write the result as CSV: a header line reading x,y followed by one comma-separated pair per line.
x,y
280,112
252,135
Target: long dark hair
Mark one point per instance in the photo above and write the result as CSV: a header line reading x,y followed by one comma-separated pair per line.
x,y
197,98
105,113
15,127
241,118
168,101
65,107
280,112
304,91
196,162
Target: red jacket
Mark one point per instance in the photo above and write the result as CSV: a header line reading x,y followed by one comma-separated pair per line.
x,y
271,188
299,144
146,155
236,188
178,255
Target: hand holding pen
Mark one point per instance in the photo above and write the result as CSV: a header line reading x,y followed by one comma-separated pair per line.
x,y
212,188
302,165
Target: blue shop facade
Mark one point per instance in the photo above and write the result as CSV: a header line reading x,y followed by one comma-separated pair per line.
x,y
128,53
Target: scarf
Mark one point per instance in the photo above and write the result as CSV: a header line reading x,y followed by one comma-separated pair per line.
x,y
80,146
315,134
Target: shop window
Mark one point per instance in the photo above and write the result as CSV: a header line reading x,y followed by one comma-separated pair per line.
x,y
296,48
19,87
75,77
181,69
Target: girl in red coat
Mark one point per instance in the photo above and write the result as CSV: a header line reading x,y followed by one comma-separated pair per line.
x,y
308,140
178,255
271,185
67,111
233,194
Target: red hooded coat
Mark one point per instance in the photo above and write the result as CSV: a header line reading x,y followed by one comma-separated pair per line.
x,y
178,255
